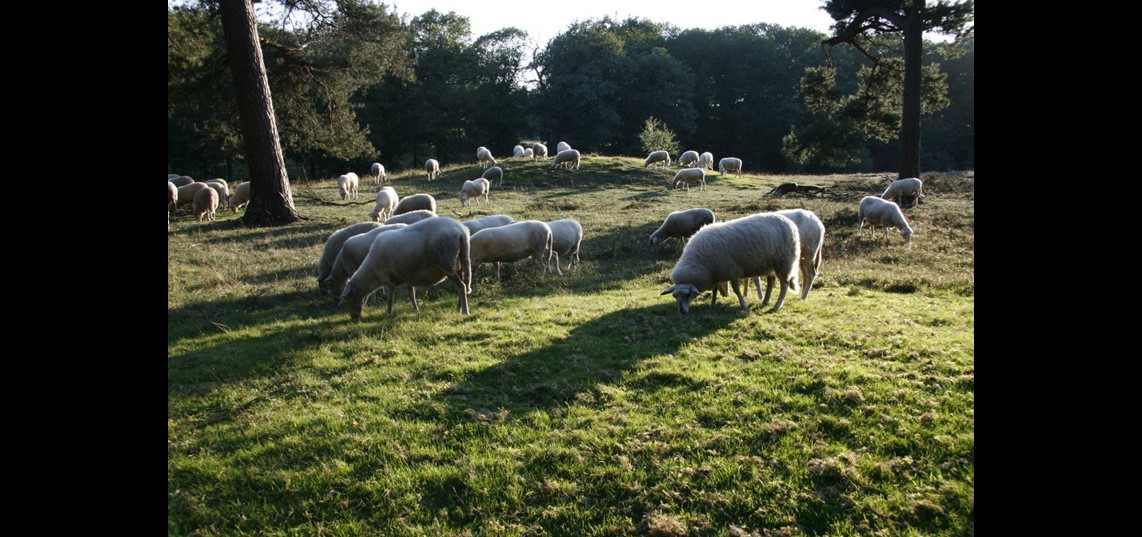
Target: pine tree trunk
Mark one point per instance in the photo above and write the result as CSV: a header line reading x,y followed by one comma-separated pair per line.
x,y
271,202
910,112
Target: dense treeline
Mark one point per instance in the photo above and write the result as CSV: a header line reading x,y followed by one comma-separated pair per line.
x,y
362,86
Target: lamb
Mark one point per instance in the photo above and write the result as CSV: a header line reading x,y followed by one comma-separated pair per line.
x,y
347,185
415,202
420,255
240,197
905,192
378,173
517,151
561,147
688,158
655,157
411,217
511,243
205,203
730,164
333,247
494,174
879,212
474,189
485,157
352,253
387,199
811,233
690,175
529,153
180,180
432,167
495,220
706,161
538,150
764,244
568,158
566,236
681,225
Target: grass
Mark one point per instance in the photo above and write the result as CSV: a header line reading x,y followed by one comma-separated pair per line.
x,y
583,404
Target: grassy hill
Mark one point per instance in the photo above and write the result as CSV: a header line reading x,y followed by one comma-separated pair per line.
x,y
581,404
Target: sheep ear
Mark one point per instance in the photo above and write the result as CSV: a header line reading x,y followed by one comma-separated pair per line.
x,y
668,291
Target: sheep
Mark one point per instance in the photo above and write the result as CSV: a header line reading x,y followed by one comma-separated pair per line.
x,y
347,185
688,158
681,225
529,153
387,199
485,157
494,174
730,164
517,151
474,189
420,255
205,203
905,192
411,217
562,146
220,186
811,233
186,193
495,220
240,196
566,236
690,175
415,202
706,161
181,180
333,246
538,150
172,197
764,244
511,243
568,158
378,173
171,176
432,166
352,253
657,156
880,212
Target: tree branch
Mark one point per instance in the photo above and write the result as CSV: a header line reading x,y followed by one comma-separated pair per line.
x,y
869,19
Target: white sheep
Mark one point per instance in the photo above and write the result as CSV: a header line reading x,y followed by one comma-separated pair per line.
x,y
347,185
688,158
511,243
205,203
333,246
730,165
905,192
432,166
378,173
181,180
420,255
562,146
529,153
706,161
875,211
495,220
757,245
352,253
186,193
411,217
568,158
387,199
811,233
222,187
566,236
690,175
240,196
415,202
517,151
657,156
485,157
172,195
538,150
495,174
474,189
681,225
171,176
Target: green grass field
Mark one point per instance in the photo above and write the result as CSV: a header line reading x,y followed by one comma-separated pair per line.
x,y
578,405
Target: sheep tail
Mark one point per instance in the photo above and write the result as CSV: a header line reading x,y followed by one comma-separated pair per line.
x,y
466,265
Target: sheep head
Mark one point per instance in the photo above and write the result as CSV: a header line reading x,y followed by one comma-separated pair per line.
x,y
684,293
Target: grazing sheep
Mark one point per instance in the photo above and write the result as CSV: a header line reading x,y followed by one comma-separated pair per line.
x,y
790,188
657,156
811,233
538,150
172,198
706,161
494,174
186,193
415,202
566,236
562,146
517,151
511,243
432,167
240,196
763,244
474,189
387,199
529,153
333,247
378,173
880,212
220,186
180,180
730,165
568,158
205,203
352,253
690,175
485,157
173,176
688,158
411,217
347,185
680,225
495,220
905,192
420,255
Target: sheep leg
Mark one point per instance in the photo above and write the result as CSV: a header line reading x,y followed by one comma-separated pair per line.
x,y
769,288
737,291
781,295
557,269
412,298
497,272
390,292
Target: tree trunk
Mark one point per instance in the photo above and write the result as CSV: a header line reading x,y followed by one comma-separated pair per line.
x,y
910,112
271,202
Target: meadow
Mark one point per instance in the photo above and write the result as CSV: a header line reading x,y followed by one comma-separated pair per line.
x,y
582,404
